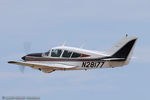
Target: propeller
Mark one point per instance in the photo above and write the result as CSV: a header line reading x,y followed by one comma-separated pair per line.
x,y
22,68
27,48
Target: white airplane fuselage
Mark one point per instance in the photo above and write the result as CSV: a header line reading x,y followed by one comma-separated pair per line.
x,y
70,58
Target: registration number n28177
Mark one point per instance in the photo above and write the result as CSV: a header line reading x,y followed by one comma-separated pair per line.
x,y
93,64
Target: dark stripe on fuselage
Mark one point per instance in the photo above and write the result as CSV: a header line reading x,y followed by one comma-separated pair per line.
x,y
67,59
60,59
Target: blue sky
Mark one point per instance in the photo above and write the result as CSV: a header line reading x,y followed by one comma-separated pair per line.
x,y
98,24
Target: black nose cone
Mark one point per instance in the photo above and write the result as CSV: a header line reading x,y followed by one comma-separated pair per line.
x,y
23,58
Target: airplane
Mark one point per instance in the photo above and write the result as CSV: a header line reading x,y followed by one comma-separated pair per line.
x,y
65,58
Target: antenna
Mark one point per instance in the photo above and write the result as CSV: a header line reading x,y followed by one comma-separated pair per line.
x,y
64,43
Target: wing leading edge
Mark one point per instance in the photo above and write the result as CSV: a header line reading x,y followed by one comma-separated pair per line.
x,y
46,68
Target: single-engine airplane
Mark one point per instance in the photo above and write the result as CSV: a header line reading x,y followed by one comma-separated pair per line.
x,y
65,58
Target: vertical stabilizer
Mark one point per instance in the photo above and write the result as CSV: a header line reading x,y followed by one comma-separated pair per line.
x,y
124,48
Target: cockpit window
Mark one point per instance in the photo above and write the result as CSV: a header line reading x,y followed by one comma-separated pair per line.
x,y
75,55
67,54
56,52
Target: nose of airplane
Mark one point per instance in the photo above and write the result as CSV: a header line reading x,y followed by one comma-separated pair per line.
x,y
23,58
32,55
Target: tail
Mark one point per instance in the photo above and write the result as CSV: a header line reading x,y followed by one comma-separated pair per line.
x,y
123,49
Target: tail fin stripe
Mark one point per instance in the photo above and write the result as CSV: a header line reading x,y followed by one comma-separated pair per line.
x,y
125,50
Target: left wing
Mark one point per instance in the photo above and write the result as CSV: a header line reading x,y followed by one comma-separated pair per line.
x,y
46,68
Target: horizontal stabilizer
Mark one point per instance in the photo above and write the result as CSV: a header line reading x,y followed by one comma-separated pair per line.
x,y
114,59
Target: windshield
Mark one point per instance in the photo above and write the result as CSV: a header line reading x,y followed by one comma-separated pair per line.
x,y
56,52
46,53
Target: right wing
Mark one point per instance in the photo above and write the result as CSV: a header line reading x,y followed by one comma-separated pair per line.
x,y
47,68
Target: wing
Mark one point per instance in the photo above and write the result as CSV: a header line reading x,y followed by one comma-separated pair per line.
x,y
46,68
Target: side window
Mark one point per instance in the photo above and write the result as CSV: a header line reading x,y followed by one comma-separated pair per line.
x,y
56,52
75,55
67,54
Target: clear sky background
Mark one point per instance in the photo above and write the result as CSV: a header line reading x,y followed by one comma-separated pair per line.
x,y
98,24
